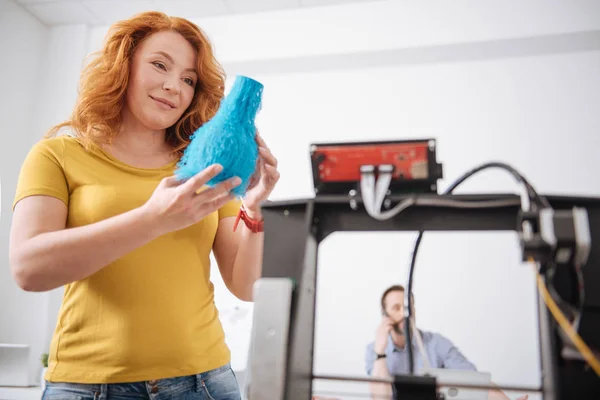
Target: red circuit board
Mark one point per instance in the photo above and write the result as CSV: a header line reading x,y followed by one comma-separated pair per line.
x,y
342,163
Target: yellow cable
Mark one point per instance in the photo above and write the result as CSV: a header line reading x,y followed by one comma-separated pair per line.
x,y
585,351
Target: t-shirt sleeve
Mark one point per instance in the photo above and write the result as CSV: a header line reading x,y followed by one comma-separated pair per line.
x,y
369,358
230,209
42,172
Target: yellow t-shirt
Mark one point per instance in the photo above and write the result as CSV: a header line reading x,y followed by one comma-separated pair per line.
x,y
148,315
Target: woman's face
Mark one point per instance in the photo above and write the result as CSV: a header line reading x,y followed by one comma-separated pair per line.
x,y
162,80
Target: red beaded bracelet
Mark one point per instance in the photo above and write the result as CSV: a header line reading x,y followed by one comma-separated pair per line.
x,y
252,224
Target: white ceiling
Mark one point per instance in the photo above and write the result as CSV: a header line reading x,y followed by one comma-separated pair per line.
x,y
105,12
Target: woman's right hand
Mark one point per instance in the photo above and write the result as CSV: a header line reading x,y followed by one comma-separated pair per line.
x,y
175,205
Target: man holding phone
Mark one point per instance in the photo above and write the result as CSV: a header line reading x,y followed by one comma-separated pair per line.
x,y
387,354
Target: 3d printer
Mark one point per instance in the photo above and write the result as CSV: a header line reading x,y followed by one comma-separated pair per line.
x,y
365,187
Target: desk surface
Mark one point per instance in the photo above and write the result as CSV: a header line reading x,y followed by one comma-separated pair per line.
x,y
20,393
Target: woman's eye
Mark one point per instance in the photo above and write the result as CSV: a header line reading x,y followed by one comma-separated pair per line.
x,y
159,65
189,81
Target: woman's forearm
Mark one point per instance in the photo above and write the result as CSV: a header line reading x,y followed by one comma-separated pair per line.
x,y
53,259
247,267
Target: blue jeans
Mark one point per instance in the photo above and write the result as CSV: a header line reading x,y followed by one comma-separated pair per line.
x,y
217,384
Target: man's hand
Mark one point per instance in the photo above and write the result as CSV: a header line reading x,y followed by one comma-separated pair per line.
x,y
382,334
380,369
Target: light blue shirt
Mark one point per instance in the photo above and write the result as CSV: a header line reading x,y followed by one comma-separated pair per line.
x,y
440,351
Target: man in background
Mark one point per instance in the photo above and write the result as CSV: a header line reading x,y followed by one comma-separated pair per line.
x,y
387,355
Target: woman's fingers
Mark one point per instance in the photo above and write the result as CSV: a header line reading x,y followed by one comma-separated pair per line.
x,y
264,150
209,206
266,155
196,182
260,141
218,190
272,173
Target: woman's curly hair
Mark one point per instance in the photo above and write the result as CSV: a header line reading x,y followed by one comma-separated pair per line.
x,y
96,117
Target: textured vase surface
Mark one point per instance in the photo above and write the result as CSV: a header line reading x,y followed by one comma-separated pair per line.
x,y
228,138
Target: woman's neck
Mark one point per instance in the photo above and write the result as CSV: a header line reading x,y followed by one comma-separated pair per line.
x,y
137,139
141,147
141,143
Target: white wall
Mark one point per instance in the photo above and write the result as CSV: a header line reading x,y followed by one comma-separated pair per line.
x,y
514,82
67,46
40,86
22,315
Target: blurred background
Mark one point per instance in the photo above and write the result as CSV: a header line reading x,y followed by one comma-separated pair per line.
x,y
513,81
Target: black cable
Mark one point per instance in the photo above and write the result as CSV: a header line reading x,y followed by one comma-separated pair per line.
x,y
520,178
534,199
411,360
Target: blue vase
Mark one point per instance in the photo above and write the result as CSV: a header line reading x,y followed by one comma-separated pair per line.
x,y
228,138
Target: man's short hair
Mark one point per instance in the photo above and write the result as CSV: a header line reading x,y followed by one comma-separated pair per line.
x,y
394,288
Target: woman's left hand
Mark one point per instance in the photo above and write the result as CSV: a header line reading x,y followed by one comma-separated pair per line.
x,y
263,182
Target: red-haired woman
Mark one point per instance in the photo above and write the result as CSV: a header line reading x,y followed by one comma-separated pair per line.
x,y
100,212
